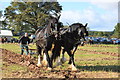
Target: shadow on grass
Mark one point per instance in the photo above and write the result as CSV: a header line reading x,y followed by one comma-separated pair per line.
x,y
108,68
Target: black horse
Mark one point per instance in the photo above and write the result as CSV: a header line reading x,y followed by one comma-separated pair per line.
x,y
70,39
44,40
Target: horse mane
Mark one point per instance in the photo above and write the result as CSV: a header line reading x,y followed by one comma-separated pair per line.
x,y
74,26
80,24
38,30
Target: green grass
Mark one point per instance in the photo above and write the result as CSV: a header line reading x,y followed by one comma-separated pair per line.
x,y
17,37
15,47
112,45
88,61
87,54
15,67
12,47
93,59
100,49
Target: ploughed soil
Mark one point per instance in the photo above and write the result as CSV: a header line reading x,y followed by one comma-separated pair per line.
x,y
32,71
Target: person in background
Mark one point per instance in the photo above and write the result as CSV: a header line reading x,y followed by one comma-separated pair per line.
x,y
5,39
24,42
1,40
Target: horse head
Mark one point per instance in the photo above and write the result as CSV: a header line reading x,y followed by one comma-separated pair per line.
x,y
55,25
54,21
83,29
80,29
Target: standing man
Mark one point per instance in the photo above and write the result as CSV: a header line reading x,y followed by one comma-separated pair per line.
x,y
24,42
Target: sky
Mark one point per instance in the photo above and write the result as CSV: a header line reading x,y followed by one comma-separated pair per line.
x,y
100,15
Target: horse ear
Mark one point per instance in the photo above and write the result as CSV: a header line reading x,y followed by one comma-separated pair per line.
x,y
86,24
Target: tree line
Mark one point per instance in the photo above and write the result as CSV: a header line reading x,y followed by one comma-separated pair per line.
x,y
29,16
112,34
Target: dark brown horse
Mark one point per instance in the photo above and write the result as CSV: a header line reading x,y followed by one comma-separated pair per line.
x,y
44,40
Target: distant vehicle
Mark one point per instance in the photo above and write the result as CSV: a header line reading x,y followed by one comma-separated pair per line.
x,y
117,42
6,33
101,40
14,40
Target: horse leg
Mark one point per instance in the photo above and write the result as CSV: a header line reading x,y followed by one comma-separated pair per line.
x,y
44,62
56,53
63,59
48,60
73,51
72,65
39,56
58,61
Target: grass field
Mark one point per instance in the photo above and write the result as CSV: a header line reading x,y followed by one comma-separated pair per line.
x,y
87,62
100,49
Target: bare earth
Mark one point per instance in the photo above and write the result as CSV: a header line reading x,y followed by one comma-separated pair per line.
x,y
32,71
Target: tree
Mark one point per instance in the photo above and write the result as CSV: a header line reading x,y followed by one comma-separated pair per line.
x,y
0,13
116,32
100,33
30,15
0,17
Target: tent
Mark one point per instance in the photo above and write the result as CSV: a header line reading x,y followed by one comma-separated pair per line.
x,y
6,33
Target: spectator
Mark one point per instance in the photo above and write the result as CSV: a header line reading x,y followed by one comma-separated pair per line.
x,y
5,39
1,40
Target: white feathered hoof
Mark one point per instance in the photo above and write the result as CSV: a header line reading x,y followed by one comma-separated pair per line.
x,y
39,65
44,63
74,68
49,69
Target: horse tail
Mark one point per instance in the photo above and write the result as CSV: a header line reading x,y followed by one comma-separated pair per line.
x,y
56,50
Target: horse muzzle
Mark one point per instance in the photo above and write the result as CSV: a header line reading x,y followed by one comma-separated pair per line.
x,y
86,34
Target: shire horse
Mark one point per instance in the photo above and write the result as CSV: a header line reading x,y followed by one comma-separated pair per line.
x,y
70,39
44,40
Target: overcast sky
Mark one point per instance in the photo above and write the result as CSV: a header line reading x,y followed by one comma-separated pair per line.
x,y
100,15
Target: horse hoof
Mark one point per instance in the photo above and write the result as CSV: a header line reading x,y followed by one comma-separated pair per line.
x,y
49,69
44,63
69,67
39,65
63,60
74,69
